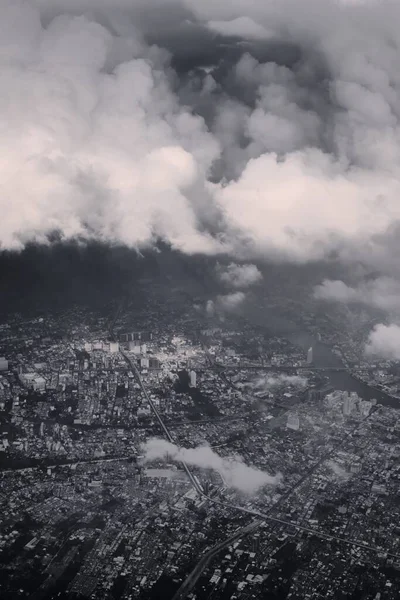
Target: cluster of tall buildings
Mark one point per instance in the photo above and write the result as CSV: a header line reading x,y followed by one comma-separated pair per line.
x,y
137,348
351,403
112,347
136,336
33,381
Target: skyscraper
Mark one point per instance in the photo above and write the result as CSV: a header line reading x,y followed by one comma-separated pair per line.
x,y
347,406
293,422
193,378
310,356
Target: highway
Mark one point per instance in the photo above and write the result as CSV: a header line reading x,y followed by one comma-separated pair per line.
x,y
213,420
169,437
192,578
65,463
310,530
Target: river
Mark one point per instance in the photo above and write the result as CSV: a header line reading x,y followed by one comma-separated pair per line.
x,y
323,356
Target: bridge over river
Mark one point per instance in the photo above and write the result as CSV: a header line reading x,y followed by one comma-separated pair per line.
x,y
285,368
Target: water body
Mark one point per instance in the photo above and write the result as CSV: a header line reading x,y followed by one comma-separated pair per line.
x,y
322,354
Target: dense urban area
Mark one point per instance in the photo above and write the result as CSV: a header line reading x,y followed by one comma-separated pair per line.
x,y
167,451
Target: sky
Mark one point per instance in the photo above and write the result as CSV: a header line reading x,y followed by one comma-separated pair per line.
x,y
254,129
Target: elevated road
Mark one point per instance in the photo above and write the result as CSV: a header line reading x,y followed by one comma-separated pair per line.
x,y
284,368
326,536
169,437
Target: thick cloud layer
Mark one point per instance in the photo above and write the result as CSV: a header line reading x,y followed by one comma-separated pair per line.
x,y
251,128
234,472
94,142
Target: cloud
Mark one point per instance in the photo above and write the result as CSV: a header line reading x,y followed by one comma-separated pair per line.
x,y
224,303
242,27
384,342
94,143
383,293
229,301
291,226
210,307
239,276
282,380
335,290
135,122
234,471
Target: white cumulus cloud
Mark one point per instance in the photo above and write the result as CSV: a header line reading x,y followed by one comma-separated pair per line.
x,y
275,381
239,276
234,471
384,342
383,293
229,302
94,143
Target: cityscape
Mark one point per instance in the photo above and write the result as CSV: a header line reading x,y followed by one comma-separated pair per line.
x,y
191,458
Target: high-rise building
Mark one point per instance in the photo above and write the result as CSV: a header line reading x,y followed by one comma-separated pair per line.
x,y
134,347
154,363
314,395
193,378
365,407
293,422
144,363
39,383
136,336
310,356
114,347
347,405
3,364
